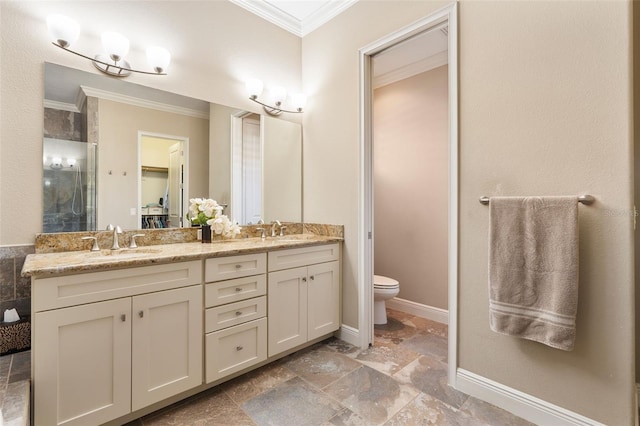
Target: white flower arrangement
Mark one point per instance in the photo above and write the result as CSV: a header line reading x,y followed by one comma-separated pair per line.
x,y
205,211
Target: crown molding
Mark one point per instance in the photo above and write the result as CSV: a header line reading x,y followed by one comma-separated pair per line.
x,y
144,103
60,106
324,14
415,68
290,23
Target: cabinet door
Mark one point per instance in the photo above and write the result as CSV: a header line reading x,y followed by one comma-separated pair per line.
x,y
324,299
167,344
82,364
287,309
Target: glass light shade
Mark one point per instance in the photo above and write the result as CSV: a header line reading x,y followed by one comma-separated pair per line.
x,y
115,44
279,94
298,100
159,58
56,161
63,30
71,162
254,87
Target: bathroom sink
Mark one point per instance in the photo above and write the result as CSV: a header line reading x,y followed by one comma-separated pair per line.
x,y
123,253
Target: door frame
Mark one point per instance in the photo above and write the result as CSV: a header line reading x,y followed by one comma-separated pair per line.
x,y
366,220
185,171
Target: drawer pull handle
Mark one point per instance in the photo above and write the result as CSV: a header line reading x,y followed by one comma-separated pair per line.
x,y
141,314
238,266
238,313
238,289
304,279
123,317
239,348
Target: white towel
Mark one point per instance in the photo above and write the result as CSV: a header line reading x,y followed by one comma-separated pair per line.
x,y
533,268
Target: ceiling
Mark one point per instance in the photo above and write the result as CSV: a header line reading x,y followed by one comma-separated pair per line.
x,y
299,17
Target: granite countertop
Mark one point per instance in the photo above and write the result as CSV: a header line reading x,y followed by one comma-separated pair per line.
x,y
49,264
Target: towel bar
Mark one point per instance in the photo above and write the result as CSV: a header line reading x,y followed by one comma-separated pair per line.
x,y
584,199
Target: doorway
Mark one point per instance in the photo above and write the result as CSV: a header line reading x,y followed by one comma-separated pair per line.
x,y
162,180
445,18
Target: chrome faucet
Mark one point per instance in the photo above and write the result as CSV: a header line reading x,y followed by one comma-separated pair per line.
x,y
95,246
263,232
116,230
273,227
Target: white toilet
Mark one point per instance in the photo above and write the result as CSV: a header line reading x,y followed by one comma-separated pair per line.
x,y
383,288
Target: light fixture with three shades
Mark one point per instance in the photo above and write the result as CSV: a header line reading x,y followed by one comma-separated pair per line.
x,y
278,95
65,31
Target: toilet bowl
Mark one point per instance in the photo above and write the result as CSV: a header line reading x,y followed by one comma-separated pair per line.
x,y
383,288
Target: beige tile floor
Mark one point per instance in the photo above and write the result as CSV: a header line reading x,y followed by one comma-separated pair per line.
x,y
401,380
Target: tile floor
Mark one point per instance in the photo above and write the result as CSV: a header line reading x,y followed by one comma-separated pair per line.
x,y
402,380
15,373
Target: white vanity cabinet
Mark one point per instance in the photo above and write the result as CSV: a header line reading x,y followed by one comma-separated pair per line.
x,y
304,295
235,314
111,342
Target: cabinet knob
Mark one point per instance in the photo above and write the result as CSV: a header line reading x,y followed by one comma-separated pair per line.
x,y
141,314
238,289
238,266
123,317
239,348
238,313
304,279
312,277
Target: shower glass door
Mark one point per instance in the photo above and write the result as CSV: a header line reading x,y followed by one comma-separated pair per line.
x,y
69,186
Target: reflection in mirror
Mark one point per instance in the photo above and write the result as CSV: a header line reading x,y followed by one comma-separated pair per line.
x,y
114,125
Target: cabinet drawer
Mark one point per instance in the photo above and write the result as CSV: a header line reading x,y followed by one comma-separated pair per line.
x,y
235,313
293,258
235,348
222,292
225,268
69,290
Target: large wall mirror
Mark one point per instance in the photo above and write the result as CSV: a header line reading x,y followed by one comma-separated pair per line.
x,y
120,153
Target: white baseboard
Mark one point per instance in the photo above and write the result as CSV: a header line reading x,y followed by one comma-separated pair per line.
x,y
418,309
349,335
519,403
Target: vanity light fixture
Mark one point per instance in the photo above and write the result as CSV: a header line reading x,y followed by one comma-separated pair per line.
x,y
65,31
57,163
278,96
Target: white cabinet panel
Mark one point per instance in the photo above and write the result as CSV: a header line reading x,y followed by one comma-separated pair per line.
x,y
293,258
222,292
287,309
82,364
235,348
69,290
235,313
324,299
167,344
230,267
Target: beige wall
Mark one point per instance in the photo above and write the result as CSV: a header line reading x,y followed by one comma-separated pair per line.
x,y
636,134
118,129
215,46
545,108
411,185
